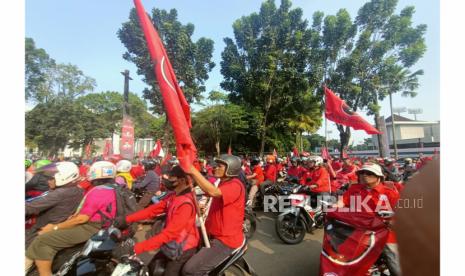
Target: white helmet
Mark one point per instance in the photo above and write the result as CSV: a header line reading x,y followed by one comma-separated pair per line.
x,y
123,166
67,173
317,159
101,170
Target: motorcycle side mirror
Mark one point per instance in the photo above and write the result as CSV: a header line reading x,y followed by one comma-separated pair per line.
x,y
386,214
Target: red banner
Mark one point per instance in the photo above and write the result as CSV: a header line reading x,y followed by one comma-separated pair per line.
x,y
176,106
338,111
126,146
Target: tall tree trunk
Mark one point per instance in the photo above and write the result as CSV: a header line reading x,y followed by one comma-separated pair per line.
x,y
217,146
382,147
263,136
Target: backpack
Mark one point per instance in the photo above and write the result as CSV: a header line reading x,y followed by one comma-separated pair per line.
x,y
125,202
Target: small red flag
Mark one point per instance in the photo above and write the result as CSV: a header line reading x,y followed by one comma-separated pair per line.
x,y
338,111
344,153
176,106
275,154
295,152
325,153
157,150
107,151
88,150
229,150
141,154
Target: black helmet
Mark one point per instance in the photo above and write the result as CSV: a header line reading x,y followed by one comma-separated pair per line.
x,y
232,163
255,161
149,164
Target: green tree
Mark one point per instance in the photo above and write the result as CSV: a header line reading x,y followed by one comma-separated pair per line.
x,y
265,67
191,61
61,121
109,106
37,66
315,140
218,124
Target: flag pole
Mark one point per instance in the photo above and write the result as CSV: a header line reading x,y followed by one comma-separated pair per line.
x,y
200,218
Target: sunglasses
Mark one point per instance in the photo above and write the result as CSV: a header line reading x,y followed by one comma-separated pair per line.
x,y
367,173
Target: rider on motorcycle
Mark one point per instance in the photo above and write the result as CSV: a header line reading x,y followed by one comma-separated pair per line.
x,y
179,238
123,168
28,174
151,183
39,182
391,172
317,177
271,173
225,219
382,196
257,177
60,202
85,222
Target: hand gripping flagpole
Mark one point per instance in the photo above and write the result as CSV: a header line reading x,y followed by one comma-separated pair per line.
x,y
200,218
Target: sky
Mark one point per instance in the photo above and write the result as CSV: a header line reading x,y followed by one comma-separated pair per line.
x,y
83,33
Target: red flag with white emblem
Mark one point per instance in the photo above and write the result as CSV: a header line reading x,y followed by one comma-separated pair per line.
x,y
176,106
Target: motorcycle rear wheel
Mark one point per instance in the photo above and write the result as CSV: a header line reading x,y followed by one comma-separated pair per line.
x,y
289,233
250,225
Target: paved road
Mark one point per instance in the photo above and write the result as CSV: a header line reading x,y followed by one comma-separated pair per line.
x,y
269,256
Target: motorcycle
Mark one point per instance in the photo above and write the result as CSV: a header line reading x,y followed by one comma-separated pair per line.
x,y
250,223
90,258
353,244
234,265
301,218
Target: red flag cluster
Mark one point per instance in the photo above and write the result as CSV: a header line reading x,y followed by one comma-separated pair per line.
x,y
176,106
338,111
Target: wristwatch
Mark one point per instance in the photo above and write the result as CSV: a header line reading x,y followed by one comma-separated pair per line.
x,y
55,227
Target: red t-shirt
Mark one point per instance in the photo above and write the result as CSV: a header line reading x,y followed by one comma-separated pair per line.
x,y
271,172
226,215
382,197
137,171
319,177
83,170
260,177
295,171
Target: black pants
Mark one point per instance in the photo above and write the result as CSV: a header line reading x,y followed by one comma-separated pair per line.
x,y
173,268
207,259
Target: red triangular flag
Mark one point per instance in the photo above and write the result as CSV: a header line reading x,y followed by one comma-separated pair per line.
x,y
338,111
275,154
176,106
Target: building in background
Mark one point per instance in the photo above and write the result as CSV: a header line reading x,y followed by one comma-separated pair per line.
x,y
411,133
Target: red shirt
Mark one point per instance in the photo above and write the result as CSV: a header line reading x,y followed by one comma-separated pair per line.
x,y
137,171
184,218
382,197
226,215
260,177
279,167
319,177
295,171
271,172
83,170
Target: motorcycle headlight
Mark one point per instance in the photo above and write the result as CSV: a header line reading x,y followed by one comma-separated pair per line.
x,y
90,244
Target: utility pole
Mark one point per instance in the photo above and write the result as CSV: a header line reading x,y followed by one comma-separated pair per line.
x,y
393,128
127,78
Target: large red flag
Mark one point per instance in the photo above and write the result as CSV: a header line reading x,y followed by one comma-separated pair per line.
x,y
176,106
338,111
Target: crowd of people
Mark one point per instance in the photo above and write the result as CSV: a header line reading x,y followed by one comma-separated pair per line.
x,y
68,201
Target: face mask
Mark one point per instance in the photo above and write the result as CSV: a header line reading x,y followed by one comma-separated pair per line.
x,y
170,185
